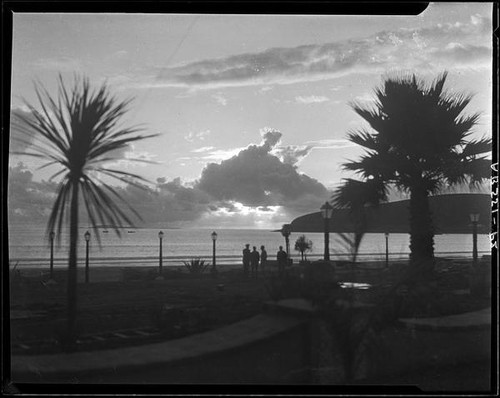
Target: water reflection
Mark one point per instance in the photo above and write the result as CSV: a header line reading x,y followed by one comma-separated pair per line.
x,y
354,285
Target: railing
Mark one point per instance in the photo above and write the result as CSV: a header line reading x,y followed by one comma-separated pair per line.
x,y
221,259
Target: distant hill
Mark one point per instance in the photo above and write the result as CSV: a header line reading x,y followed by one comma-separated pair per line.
x,y
450,214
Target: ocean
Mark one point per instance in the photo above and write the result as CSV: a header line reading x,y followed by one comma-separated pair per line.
x,y
29,247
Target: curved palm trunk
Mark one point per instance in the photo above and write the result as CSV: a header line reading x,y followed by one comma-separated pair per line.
x,y
421,229
72,267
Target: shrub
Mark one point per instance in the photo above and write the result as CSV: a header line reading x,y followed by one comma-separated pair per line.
x,y
303,245
196,266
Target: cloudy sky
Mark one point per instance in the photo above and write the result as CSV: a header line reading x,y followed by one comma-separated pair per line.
x,y
251,111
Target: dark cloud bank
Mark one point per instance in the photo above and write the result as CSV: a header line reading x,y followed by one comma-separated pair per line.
x,y
259,176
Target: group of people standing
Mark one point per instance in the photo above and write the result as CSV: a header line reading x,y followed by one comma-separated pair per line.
x,y
252,259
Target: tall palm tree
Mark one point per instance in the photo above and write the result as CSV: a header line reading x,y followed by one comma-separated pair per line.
x,y
419,144
80,132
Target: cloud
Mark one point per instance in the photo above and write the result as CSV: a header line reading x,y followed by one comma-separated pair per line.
x,y
60,64
292,154
463,53
256,177
264,89
313,99
231,213
28,201
217,155
270,137
21,137
366,97
120,54
199,136
203,149
405,48
220,99
330,144
128,156
258,186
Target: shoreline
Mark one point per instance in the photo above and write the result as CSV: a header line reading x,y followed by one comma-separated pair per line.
x,y
117,272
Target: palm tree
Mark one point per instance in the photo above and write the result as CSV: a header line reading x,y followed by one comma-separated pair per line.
x,y
419,144
303,245
79,131
355,195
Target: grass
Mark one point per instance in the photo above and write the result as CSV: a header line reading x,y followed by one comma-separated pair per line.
x,y
116,306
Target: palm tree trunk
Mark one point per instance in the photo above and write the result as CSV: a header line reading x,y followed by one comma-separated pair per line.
x,y
421,229
72,268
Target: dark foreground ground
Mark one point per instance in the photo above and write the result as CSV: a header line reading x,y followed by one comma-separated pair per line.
x,y
129,307
141,308
131,302
470,377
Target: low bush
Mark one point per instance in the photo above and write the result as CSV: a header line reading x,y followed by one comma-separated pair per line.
x,y
196,266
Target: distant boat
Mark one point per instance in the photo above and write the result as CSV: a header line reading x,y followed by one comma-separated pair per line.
x,y
131,232
105,231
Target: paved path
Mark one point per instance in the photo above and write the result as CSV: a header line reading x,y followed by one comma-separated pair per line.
x,y
239,334
476,319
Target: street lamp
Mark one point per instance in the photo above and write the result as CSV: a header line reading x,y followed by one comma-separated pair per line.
x,y
474,218
214,238
160,269
286,230
387,249
326,213
51,236
87,239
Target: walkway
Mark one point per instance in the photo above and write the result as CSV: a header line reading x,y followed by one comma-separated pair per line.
x,y
476,319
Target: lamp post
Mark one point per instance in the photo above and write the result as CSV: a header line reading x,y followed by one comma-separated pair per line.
x,y
160,268
286,230
87,239
474,218
51,237
386,249
214,238
326,213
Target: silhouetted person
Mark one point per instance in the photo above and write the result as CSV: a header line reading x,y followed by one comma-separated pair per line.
x,y
246,258
254,261
263,259
282,258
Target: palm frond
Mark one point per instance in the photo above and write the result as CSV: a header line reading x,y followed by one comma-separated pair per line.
x,y
354,194
107,206
79,129
121,199
364,139
56,216
124,176
477,147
